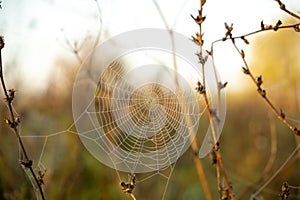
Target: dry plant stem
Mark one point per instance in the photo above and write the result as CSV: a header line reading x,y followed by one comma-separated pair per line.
x,y
14,124
132,196
99,33
219,163
200,171
276,173
194,145
280,115
282,7
263,94
218,177
292,26
73,48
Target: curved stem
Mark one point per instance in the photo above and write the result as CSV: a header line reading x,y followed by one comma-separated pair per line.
x,y
14,123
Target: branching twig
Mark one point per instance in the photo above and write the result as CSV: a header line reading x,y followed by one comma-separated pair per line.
x,y
258,81
73,47
201,89
263,93
282,7
194,145
14,121
263,28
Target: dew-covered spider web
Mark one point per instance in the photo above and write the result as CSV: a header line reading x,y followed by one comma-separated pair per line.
x,y
140,126
136,103
137,112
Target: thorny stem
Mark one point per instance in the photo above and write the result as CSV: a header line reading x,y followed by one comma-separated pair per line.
x,y
14,123
219,163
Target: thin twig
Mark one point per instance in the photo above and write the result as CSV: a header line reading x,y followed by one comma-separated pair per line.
x,y
276,173
246,69
99,33
264,28
194,145
258,82
200,171
282,7
132,196
161,15
13,122
201,88
72,47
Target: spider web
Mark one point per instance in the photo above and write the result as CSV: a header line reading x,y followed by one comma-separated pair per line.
x,y
115,100
134,118
154,110
164,173
141,127
142,98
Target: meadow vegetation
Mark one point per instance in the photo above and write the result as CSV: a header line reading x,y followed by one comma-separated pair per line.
x,y
259,152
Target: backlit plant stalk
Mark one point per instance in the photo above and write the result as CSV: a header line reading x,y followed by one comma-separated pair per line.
x,y
258,81
224,192
194,145
13,122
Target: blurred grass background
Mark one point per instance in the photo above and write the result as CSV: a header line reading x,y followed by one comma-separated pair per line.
x,y
72,173
251,138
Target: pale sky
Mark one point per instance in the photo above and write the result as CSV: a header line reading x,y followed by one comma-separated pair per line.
x,y
34,40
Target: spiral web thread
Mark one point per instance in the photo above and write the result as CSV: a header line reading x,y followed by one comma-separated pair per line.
x,y
140,121
46,138
152,103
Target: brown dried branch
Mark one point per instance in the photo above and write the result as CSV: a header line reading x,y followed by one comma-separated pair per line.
x,y
263,93
264,28
246,70
201,89
283,7
194,145
14,121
